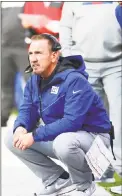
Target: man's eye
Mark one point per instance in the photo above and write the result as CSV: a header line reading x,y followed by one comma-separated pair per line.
x,y
38,52
30,53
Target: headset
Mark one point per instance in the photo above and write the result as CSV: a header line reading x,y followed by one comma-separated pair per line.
x,y
55,47
55,44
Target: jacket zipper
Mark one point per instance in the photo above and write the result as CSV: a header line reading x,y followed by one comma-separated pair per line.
x,y
40,104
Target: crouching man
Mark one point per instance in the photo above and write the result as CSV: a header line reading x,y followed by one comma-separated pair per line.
x,y
59,93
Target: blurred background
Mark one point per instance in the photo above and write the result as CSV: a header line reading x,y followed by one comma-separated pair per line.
x,y
21,20
78,26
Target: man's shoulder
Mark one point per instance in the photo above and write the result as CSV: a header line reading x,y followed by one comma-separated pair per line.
x,y
75,75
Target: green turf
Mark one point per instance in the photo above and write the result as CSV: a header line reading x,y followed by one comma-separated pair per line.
x,y
107,186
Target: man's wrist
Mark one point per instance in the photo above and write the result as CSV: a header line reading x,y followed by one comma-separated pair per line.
x,y
20,129
32,135
35,136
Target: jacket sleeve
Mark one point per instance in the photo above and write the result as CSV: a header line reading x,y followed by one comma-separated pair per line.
x,y
28,115
65,31
118,13
78,100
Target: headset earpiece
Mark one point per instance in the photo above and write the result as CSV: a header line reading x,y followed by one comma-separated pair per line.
x,y
56,45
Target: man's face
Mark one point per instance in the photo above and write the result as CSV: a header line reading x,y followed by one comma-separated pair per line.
x,y
41,57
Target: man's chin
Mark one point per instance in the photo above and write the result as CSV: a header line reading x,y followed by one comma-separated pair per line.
x,y
36,72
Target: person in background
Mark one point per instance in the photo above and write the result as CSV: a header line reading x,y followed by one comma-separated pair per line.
x,y
68,129
118,12
14,58
41,17
92,30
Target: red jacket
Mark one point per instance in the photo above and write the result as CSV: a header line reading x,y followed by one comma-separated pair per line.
x,y
53,11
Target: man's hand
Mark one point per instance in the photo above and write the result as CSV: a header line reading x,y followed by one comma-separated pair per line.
x,y
36,21
24,141
19,131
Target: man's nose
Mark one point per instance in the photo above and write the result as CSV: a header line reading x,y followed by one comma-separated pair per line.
x,y
33,58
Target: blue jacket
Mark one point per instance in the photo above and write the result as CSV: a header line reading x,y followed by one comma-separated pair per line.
x,y
118,13
67,103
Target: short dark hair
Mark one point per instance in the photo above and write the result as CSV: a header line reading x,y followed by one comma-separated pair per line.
x,y
53,42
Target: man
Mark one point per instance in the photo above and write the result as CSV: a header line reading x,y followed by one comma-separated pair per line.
x,y
92,30
53,93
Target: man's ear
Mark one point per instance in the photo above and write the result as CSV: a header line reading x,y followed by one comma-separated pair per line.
x,y
55,56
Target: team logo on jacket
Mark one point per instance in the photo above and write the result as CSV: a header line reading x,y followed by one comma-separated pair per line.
x,y
54,89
